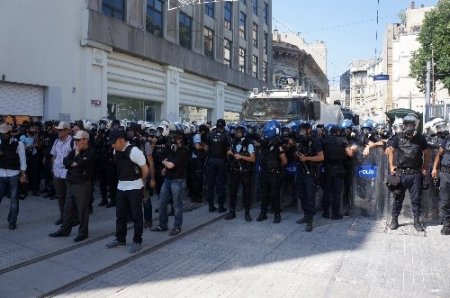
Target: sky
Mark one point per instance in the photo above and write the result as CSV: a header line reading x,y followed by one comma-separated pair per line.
x,y
348,27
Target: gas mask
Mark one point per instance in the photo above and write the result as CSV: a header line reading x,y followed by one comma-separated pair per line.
x,y
409,129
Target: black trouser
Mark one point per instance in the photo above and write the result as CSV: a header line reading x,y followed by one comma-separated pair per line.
x,y
35,167
307,193
444,196
48,176
270,191
195,178
332,193
413,183
107,178
245,179
132,200
78,205
61,186
216,180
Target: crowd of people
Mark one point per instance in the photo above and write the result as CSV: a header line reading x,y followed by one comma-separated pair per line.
x,y
134,163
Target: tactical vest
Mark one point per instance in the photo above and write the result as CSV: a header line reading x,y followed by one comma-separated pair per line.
x,y
9,159
270,160
219,145
160,151
409,154
446,158
306,148
241,165
127,170
333,149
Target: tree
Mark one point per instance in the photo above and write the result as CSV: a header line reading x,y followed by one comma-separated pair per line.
x,y
434,39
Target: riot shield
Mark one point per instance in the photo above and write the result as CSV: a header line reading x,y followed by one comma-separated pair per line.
x,y
369,191
288,192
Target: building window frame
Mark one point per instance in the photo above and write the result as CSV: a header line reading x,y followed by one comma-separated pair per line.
x,y
243,25
255,35
264,71
255,7
242,59
185,30
210,9
266,13
228,15
255,66
114,9
155,11
266,43
208,42
227,52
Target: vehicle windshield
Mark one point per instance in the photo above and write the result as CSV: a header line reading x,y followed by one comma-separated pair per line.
x,y
273,108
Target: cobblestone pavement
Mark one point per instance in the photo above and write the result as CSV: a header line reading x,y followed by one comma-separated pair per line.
x,y
354,257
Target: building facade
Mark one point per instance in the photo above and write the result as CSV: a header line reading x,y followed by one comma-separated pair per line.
x,y
132,59
291,62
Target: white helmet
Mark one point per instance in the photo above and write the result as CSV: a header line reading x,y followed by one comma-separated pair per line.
x,y
87,125
141,124
397,127
123,123
163,129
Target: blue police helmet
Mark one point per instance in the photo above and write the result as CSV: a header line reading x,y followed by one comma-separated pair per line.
x,y
368,124
242,127
271,129
332,129
346,123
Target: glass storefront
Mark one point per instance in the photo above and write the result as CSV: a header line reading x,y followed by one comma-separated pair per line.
x,y
133,109
189,114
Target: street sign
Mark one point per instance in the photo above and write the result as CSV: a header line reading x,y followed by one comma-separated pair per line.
x,y
381,77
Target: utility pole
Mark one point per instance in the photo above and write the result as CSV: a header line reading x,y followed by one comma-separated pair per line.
x,y
426,113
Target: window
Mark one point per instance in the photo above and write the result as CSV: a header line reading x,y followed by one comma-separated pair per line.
x,y
255,7
266,13
154,17
114,8
266,42
227,45
242,25
228,14
242,56
254,66
185,30
209,9
264,71
209,42
255,35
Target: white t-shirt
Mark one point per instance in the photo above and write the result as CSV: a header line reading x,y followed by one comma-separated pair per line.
x,y
136,156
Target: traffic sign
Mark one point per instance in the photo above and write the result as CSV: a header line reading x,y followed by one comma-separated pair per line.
x,y
381,77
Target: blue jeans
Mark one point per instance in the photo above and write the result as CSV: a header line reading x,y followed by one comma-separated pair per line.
x,y
11,185
171,188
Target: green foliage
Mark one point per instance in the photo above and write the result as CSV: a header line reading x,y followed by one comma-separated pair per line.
x,y
435,42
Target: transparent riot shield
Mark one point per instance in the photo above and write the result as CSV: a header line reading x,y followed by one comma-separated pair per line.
x,y
288,190
430,193
368,188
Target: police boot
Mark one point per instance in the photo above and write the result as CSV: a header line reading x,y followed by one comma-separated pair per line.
x,y
309,226
277,218
446,229
230,215
418,225
248,218
394,223
262,216
112,203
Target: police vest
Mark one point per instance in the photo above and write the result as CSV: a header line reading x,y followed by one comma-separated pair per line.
x,y
306,148
334,149
241,165
218,145
160,151
103,149
127,170
9,159
409,154
446,158
270,159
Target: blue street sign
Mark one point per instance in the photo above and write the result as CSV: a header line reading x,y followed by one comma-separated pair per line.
x,y
382,77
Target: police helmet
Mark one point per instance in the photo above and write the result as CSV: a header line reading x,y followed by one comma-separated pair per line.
x,y
411,122
346,123
332,129
271,129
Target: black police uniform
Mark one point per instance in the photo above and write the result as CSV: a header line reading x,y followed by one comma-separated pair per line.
x,y
105,168
218,143
334,173
160,153
241,173
269,178
195,169
444,193
307,176
409,164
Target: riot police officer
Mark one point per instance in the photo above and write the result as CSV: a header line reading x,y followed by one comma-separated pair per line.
x,y
272,160
105,168
309,154
442,164
196,163
217,145
409,164
335,150
242,158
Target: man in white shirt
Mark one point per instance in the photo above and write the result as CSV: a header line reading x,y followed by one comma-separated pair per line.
x,y
12,169
132,171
